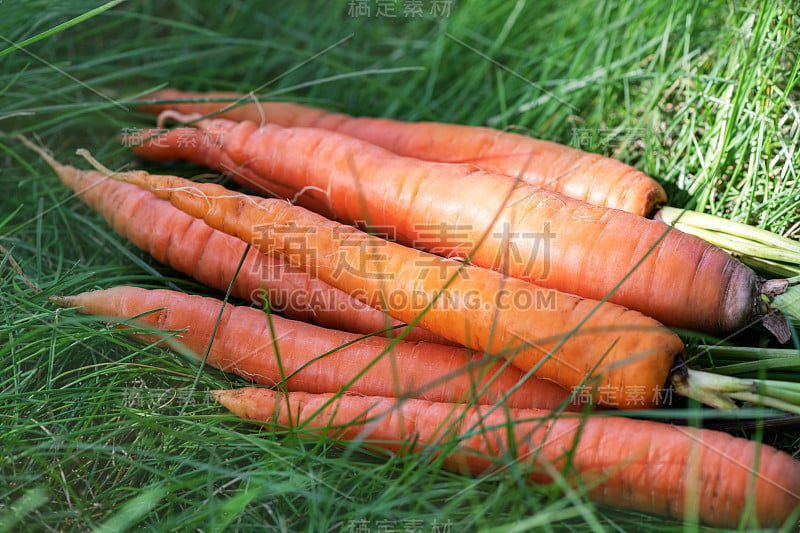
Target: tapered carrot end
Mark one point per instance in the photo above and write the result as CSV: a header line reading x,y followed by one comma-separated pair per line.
x,y
244,402
135,177
76,179
229,398
254,403
63,301
219,395
44,154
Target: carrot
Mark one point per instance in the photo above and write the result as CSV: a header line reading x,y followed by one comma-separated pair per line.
x,y
278,351
562,337
635,464
582,175
529,233
211,257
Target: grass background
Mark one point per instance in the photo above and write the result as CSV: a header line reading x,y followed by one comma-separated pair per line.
x,y
100,432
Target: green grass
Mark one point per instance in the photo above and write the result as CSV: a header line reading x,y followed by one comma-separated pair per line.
x,y
101,432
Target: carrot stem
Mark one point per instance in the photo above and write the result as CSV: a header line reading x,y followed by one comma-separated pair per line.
x,y
761,246
780,366
720,391
741,245
765,401
730,227
775,268
788,367
749,353
62,301
774,253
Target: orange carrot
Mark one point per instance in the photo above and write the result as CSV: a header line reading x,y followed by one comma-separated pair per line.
x,y
526,232
629,353
211,257
635,464
313,359
582,175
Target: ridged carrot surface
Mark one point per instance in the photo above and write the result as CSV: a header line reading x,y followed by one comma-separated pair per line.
x,y
631,354
582,175
457,210
288,352
188,245
635,464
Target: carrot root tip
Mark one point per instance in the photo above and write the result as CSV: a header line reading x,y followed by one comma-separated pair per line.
x,y
62,301
84,153
41,151
134,177
227,398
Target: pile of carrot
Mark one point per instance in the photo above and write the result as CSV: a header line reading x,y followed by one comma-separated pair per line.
x,y
437,283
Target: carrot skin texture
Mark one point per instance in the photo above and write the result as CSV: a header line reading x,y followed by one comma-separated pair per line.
x,y
635,464
538,235
633,353
188,245
582,175
244,344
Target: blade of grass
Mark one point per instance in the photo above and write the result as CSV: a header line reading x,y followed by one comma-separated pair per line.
x,y
61,27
